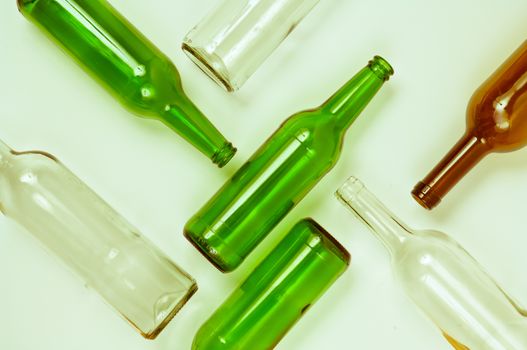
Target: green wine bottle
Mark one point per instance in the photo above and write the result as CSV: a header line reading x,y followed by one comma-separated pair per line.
x,y
258,314
140,76
280,173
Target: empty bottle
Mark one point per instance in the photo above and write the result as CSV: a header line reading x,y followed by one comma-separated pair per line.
x,y
449,286
234,39
93,240
259,313
140,76
285,168
496,122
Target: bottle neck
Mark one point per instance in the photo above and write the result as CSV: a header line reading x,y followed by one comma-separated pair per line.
x,y
384,225
190,123
349,101
451,169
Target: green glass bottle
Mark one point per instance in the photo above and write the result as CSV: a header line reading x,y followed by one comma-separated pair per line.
x,y
140,76
280,173
258,314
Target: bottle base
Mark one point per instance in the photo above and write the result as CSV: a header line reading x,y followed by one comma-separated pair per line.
x,y
213,254
155,332
210,65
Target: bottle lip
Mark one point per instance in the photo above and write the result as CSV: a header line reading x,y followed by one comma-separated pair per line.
x,y
381,68
425,196
224,155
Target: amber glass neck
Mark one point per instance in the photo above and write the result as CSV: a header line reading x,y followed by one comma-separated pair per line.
x,y
459,161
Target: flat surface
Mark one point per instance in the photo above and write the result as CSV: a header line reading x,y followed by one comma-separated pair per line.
x,y
441,50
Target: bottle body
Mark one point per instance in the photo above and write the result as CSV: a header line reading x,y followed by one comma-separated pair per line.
x,y
117,55
232,41
258,314
453,290
263,191
285,168
443,280
93,240
496,122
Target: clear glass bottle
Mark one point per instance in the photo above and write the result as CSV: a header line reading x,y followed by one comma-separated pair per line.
x,y
92,239
117,55
235,38
259,313
281,172
449,286
496,122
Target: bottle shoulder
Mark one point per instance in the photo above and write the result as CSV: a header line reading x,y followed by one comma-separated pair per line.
x,y
155,85
25,167
497,112
425,247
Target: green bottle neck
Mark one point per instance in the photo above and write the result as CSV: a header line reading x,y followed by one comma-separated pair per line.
x,y
349,101
190,123
384,224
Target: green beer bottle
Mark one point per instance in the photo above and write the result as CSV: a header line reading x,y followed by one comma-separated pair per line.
x,y
280,173
258,314
140,76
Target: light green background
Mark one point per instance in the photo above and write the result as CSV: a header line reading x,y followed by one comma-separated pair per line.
x,y
441,50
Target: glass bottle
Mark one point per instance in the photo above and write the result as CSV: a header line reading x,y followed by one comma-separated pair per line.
x,y
92,239
117,55
281,172
259,313
496,122
233,40
449,286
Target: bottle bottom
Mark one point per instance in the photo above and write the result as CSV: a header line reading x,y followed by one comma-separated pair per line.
x,y
175,309
218,254
210,64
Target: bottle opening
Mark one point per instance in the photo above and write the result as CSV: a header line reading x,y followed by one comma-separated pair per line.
x,y
381,68
224,155
424,195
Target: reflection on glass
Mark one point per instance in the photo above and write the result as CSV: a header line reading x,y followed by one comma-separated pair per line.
x,y
442,279
496,122
281,172
140,76
92,239
259,313
234,39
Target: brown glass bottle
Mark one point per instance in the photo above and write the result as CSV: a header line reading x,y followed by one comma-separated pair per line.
x,y
496,122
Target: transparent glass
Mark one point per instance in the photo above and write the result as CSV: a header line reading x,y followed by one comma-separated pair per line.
x,y
235,39
259,313
117,55
496,122
449,286
93,240
281,172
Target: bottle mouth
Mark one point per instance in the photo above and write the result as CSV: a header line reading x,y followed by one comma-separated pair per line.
x,y
224,155
349,191
425,196
381,68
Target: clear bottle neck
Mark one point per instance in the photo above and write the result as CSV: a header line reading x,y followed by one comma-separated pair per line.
x,y
385,226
